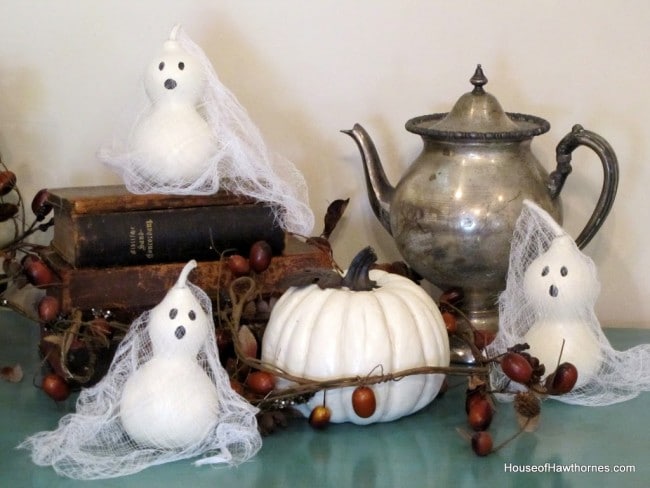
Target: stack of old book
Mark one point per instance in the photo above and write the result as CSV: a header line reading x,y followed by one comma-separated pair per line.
x,y
114,250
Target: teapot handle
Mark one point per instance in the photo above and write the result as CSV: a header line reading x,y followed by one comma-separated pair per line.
x,y
581,137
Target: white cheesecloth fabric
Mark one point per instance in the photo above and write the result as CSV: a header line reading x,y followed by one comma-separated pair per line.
x,y
618,375
92,442
238,159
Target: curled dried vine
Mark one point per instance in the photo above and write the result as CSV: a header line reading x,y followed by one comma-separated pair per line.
x,y
243,290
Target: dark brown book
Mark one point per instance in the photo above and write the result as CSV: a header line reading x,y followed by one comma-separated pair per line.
x,y
128,290
108,226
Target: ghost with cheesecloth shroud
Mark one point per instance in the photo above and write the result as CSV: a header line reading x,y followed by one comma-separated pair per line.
x,y
190,136
164,398
549,302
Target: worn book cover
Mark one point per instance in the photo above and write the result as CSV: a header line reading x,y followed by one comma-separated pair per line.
x,y
108,226
132,289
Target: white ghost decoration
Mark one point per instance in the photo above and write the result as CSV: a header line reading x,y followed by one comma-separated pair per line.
x,y
164,398
172,142
190,136
550,294
561,285
170,401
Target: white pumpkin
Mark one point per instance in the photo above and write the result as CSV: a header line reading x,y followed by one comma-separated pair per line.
x,y
324,334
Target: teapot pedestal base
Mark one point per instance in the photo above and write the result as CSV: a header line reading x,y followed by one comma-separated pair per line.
x,y
479,326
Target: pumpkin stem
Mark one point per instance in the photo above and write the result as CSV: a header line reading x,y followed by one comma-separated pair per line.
x,y
357,277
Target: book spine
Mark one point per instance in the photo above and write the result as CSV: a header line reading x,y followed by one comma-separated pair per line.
x,y
129,290
164,236
116,198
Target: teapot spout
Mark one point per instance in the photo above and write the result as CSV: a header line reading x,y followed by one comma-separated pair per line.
x,y
380,191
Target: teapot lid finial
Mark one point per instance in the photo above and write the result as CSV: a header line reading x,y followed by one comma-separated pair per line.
x,y
478,80
478,116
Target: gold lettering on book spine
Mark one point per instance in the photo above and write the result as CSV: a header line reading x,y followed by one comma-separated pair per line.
x,y
149,234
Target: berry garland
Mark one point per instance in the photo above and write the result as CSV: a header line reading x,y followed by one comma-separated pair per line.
x,y
70,344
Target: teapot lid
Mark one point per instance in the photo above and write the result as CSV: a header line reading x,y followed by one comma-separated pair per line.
x,y
478,116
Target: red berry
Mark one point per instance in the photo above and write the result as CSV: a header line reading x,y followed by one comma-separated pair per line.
x,y
260,256
482,443
37,272
562,380
56,387
40,204
320,417
450,321
7,182
238,265
516,367
48,308
473,396
261,382
480,414
364,402
7,211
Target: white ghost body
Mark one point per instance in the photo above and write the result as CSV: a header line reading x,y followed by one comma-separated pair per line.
x,y
174,144
170,401
562,288
187,134
172,141
165,397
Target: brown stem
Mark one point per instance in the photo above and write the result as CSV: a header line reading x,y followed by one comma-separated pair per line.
x,y
68,337
512,437
241,291
357,278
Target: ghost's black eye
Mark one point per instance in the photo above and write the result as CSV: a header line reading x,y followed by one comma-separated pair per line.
x,y
161,66
181,66
173,313
192,315
545,271
564,271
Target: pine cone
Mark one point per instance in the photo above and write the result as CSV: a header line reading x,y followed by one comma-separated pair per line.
x,y
528,407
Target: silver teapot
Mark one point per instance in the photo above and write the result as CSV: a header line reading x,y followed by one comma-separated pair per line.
x,y
453,213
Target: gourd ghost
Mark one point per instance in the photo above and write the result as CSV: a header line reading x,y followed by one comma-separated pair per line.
x,y
560,285
165,397
170,401
189,135
172,142
550,294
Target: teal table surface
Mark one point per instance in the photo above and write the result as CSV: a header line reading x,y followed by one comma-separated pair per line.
x,y
422,450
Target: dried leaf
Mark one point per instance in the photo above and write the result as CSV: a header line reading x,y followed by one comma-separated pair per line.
x,y
55,339
321,243
475,381
12,374
334,213
247,341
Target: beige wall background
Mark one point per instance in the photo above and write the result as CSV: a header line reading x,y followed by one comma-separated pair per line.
x,y
306,70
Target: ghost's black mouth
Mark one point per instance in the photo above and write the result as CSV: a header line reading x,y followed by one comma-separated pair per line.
x,y
553,291
179,332
170,83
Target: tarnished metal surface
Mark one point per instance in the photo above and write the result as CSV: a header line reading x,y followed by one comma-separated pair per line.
x,y
453,213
